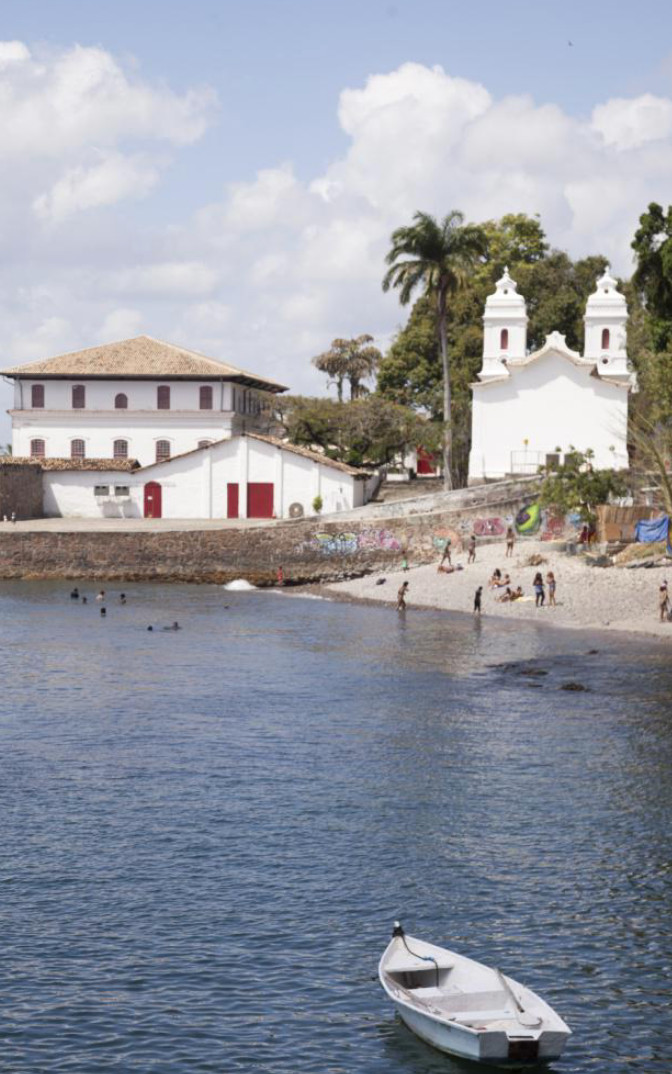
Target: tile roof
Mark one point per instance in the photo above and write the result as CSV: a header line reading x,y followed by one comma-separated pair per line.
x,y
109,465
306,453
141,356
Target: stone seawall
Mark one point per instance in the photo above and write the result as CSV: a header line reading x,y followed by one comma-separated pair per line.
x,y
307,550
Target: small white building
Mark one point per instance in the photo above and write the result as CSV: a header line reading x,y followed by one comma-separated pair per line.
x,y
245,476
137,399
532,409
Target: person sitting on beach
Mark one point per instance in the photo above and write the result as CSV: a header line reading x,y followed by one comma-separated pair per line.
x,y
445,570
517,593
496,578
505,597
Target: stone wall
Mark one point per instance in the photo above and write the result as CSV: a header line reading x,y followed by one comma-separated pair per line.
x,y
307,550
20,490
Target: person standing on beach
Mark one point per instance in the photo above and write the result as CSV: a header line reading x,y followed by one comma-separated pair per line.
x,y
401,597
471,557
538,586
510,541
477,600
445,555
663,601
550,582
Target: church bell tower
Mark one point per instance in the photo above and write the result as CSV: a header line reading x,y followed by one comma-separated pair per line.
x,y
605,321
504,328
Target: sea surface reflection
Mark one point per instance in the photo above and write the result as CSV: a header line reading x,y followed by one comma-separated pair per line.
x,y
207,834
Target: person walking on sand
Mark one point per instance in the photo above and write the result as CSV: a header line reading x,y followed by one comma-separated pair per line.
x,y
550,582
445,555
401,597
471,557
477,600
538,586
510,541
663,600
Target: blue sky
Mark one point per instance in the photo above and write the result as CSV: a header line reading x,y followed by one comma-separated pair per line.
x,y
226,175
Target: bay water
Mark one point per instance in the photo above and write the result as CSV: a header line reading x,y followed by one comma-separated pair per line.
x,y
207,834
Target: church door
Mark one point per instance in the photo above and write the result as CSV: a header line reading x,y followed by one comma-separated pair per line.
x,y
152,500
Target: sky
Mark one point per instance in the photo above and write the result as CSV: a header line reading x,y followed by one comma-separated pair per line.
x,y
226,175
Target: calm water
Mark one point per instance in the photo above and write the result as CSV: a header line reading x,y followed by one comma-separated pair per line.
x,y
207,835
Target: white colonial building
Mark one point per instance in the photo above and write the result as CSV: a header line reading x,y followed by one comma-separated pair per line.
x,y
142,428
532,409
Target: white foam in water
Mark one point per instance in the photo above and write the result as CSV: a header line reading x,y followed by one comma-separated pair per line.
x,y
239,583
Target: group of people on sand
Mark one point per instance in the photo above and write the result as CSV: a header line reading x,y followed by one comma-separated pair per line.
x,y
101,598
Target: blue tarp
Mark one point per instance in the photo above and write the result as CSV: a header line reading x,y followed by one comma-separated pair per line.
x,y
655,529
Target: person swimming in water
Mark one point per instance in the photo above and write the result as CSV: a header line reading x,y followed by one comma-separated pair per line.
x,y
75,594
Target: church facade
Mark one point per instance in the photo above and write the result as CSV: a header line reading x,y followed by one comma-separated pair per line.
x,y
530,410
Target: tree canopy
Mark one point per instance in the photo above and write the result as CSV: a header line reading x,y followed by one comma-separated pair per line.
x,y
354,360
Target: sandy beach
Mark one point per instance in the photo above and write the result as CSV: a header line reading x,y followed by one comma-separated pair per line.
x,y
598,598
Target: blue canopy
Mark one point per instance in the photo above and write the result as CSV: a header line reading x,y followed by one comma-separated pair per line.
x,y
655,529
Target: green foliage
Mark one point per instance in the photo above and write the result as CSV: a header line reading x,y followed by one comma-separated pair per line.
x,y
576,486
369,431
317,504
653,273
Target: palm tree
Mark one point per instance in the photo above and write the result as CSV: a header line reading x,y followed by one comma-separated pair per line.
x,y
349,359
437,256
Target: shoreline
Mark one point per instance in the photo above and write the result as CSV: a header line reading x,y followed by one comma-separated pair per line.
x,y
596,599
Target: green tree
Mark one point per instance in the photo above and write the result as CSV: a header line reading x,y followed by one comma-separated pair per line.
x,y
369,431
354,360
576,486
653,272
438,257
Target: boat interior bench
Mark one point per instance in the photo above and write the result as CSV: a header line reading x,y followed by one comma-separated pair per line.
x,y
468,1006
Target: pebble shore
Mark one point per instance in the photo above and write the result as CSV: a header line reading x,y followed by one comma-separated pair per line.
x,y
588,598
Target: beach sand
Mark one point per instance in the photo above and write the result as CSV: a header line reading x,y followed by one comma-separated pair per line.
x,y
588,598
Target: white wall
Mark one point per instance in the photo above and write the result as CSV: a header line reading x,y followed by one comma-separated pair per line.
x,y
195,486
99,424
550,403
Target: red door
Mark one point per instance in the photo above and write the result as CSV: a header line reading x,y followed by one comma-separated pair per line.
x,y
426,462
232,500
260,499
152,500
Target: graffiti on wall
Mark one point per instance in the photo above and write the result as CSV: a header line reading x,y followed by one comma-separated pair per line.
x,y
347,544
489,527
444,536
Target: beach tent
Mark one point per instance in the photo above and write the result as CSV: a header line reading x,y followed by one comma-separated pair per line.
x,y
655,529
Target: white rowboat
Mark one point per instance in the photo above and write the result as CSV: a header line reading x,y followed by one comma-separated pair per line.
x,y
465,1008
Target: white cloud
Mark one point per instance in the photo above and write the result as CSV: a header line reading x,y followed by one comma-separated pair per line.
x,y
627,123
121,323
168,279
113,178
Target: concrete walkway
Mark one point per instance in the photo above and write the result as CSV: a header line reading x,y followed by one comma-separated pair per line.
x,y
131,525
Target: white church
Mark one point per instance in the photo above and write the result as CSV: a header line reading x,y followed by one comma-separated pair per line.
x,y
530,410
146,429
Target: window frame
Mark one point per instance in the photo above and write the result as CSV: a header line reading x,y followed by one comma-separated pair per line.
x,y
117,404
504,339
163,397
75,453
36,390
117,454
76,389
206,390
160,456
38,454
605,339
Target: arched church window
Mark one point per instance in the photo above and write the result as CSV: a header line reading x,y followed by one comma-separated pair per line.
x,y
77,449
605,339
37,449
504,339
120,449
121,401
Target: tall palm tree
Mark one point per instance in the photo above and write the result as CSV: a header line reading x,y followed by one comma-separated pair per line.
x,y
349,359
437,256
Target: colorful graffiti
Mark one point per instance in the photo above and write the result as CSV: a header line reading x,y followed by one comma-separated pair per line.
x,y
444,536
489,527
347,544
